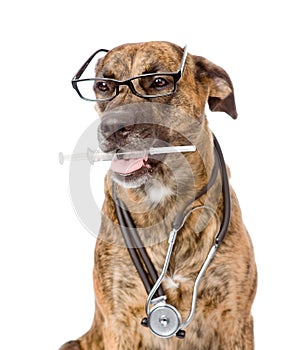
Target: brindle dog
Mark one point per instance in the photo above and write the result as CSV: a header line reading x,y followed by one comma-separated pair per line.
x,y
155,189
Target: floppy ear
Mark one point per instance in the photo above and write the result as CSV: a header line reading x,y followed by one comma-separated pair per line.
x,y
221,93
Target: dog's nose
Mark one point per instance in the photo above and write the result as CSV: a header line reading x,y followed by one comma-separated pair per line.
x,y
126,125
117,124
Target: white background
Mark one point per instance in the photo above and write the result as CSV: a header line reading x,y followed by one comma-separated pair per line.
x,y
46,254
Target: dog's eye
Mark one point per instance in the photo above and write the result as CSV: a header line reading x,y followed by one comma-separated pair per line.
x,y
101,86
159,83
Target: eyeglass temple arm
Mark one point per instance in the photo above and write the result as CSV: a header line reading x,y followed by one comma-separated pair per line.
x,y
185,53
85,65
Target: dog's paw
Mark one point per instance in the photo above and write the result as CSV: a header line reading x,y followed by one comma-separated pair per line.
x,y
71,345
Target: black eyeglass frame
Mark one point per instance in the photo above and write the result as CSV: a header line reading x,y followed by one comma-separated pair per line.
x,y
175,75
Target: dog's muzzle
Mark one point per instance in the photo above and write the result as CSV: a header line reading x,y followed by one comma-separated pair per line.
x,y
138,127
130,129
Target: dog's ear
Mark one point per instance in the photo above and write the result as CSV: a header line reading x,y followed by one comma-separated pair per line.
x,y
221,93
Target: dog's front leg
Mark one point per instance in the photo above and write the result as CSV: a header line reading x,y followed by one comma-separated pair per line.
x,y
120,296
119,339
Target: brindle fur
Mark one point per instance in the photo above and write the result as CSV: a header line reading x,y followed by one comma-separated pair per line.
x,y
223,312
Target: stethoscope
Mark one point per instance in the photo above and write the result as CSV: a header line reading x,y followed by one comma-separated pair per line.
x,y
163,319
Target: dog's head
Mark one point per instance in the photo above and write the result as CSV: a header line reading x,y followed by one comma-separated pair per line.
x,y
163,105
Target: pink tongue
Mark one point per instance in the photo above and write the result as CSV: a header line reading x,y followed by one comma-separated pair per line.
x,y
127,166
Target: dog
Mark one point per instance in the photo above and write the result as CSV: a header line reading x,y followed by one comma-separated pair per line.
x,y
166,107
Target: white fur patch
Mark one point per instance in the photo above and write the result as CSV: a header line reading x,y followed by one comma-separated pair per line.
x,y
157,192
174,282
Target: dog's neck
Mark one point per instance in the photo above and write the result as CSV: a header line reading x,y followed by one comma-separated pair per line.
x,y
155,206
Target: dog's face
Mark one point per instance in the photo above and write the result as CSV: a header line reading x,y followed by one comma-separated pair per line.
x,y
130,122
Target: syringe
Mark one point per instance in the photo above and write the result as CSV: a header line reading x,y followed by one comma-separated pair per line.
x,y
97,155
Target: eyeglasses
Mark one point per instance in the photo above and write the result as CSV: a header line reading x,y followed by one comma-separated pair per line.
x,y
148,85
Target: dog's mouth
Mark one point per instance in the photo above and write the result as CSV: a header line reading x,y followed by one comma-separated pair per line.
x,y
126,167
134,171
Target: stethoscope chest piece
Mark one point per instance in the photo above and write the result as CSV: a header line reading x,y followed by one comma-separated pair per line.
x,y
164,320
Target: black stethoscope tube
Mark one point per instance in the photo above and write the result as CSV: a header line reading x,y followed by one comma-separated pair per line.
x,y
226,194
135,246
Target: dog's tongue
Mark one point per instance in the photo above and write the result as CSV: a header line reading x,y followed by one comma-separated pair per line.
x,y
127,166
